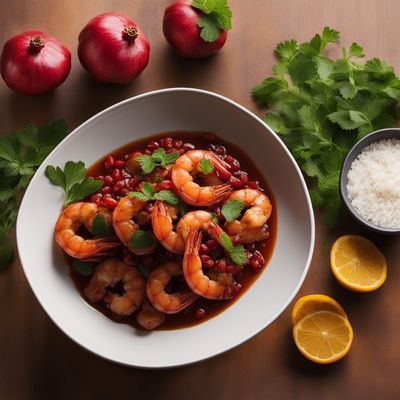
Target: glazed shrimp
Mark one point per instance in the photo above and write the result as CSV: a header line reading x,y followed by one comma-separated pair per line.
x,y
68,224
124,225
148,317
108,274
159,298
164,230
251,226
200,283
186,167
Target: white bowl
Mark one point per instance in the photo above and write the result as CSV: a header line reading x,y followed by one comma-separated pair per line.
x,y
147,114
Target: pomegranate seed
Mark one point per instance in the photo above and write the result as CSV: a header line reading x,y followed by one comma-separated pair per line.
x,y
165,185
204,249
253,185
106,189
107,196
167,143
230,268
116,174
243,176
235,182
237,287
220,150
207,261
96,198
251,247
109,162
124,191
125,174
233,164
118,186
110,203
153,146
99,178
200,313
212,243
108,180
188,146
177,144
148,152
119,164
221,265
132,183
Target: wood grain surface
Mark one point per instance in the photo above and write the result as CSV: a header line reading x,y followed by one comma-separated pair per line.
x,y
37,361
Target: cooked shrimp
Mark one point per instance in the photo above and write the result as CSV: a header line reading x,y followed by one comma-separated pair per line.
x,y
186,167
164,230
68,224
148,317
200,283
250,226
168,303
124,225
108,274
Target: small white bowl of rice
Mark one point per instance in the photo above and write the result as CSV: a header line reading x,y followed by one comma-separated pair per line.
x,y
370,181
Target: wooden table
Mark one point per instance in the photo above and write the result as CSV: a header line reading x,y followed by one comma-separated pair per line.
x,y
37,361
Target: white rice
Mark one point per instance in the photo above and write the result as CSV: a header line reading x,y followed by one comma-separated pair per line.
x,y
374,183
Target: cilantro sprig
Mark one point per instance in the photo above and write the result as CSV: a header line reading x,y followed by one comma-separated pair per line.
x,y
217,16
142,240
206,166
21,153
321,107
232,209
158,158
149,193
73,180
236,253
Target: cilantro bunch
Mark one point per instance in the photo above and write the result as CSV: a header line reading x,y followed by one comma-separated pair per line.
x,y
21,153
321,107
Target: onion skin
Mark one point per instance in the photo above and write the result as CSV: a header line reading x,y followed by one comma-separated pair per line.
x,y
182,33
34,70
110,55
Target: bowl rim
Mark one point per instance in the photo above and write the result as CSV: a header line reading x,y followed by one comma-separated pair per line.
x,y
310,250
354,152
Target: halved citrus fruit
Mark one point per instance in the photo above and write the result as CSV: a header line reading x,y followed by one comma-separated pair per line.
x,y
312,303
357,264
323,337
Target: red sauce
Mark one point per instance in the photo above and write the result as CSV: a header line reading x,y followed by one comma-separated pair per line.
x,y
192,315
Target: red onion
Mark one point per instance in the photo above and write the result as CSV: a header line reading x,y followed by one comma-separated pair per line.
x,y
34,62
180,27
113,48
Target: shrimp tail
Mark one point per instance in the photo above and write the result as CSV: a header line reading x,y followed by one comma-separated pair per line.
x,y
221,191
193,243
187,298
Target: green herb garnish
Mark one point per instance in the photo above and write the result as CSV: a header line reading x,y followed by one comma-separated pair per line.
x,y
73,180
158,158
84,268
142,240
206,166
214,218
217,16
236,253
321,107
100,227
232,209
21,153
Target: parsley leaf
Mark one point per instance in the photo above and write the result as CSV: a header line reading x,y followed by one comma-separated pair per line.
x,y
206,166
236,253
158,158
84,268
21,153
232,209
73,180
217,16
321,107
167,197
100,227
142,239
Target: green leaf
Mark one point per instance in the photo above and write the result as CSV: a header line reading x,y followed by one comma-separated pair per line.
x,y
167,197
144,271
218,9
276,123
170,158
56,175
75,173
6,251
286,50
356,51
139,195
226,242
238,255
84,268
147,189
147,163
8,148
81,190
206,166
232,209
329,35
347,90
50,135
325,67
378,67
100,227
209,28
214,218
302,68
142,240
